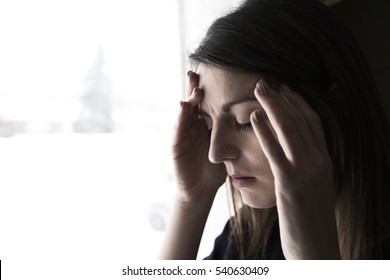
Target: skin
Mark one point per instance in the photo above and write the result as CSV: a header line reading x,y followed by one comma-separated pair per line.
x,y
232,140
282,150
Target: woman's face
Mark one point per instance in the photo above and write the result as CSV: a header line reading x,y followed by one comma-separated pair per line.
x,y
226,106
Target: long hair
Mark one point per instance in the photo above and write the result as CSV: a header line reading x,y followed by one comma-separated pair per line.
x,y
302,44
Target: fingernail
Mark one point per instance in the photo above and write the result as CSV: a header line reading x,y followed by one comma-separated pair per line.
x,y
189,73
256,116
258,86
262,89
181,103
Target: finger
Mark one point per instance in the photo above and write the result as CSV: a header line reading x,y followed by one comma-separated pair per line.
x,y
268,142
196,97
188,128
313,121
287,124
300,121
189,108
189,111
193,81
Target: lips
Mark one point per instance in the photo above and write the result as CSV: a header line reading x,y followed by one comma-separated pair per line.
x,y
240,181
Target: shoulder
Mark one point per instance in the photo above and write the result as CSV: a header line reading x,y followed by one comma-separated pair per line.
x,y
225,248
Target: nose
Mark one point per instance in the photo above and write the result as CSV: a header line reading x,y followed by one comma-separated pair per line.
x,y
222,146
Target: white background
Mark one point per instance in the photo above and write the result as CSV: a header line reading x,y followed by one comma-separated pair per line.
x,y
75,198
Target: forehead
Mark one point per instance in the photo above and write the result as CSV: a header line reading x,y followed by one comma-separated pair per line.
x,y
220,79
223,86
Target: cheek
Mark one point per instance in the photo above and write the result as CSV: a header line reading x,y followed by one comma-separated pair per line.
x,y
253,151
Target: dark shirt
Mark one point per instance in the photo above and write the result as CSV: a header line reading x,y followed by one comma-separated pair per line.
x,y
225,248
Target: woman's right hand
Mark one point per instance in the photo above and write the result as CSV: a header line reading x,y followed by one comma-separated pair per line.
x,y
197,178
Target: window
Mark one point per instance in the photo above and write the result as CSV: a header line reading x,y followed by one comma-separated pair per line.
x,y
89,92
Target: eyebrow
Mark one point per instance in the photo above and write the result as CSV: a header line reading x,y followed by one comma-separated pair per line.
x,y
227,107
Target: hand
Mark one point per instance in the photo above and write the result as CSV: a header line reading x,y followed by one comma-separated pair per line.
x,y
197,177
291,135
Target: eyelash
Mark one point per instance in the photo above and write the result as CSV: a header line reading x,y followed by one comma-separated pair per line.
x,y
243,126
240,126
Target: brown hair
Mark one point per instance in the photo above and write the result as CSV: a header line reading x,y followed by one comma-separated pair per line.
x,y
301,43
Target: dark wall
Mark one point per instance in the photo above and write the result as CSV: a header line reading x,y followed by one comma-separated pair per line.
x,y
369,20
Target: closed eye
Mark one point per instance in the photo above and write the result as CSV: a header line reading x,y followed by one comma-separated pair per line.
x,y
242,126
237,126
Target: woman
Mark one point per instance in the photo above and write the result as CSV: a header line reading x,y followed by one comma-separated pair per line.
x,y
282,104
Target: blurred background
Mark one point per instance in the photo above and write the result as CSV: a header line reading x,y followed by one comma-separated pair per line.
x,y
89,92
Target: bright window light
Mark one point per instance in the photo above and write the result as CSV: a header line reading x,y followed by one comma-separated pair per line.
x,y
89,94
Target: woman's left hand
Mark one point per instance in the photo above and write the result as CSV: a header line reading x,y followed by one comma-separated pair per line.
x,y
291,136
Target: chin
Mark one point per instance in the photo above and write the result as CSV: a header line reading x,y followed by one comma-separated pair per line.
x,y
260,202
